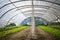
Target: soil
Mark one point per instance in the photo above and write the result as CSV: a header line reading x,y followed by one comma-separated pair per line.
x,y
26,35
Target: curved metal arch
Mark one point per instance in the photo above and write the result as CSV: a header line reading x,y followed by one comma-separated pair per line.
x,y
28,14
16,15
34,17
49,1
20,1
50,7
6,12
36,14
14,8
34,11
11,10
53,10
9,4
12,18
38,10
23,8
43,17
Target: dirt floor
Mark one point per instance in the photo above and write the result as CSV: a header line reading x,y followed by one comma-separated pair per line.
x,y
26,35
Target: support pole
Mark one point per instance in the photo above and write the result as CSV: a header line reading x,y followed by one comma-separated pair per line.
x,y
33,21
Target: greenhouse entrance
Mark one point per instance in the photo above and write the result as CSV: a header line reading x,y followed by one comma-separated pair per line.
x,y
29,19
38,21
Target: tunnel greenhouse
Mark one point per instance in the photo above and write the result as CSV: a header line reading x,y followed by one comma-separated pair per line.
x,y
29,19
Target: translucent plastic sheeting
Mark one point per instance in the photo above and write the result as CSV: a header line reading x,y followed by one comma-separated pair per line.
x,y
47,9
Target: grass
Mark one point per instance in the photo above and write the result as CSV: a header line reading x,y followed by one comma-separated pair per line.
x,y
53,31
19,28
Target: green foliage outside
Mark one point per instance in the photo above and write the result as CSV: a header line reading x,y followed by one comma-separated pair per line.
x,y
11,24
25,24
16,29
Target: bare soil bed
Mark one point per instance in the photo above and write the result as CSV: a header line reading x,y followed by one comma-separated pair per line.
x,y
26,35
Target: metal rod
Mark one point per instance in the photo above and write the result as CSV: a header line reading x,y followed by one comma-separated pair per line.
x,y
16,7
33,21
